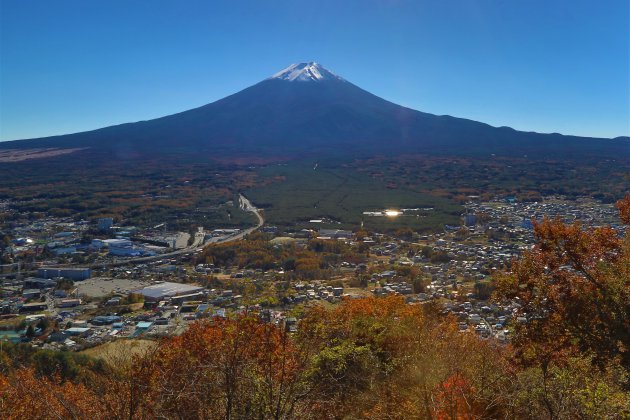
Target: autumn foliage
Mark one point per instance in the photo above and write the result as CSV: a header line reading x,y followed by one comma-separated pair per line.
x,y
574,291
311,260
365,358
227,369
379,358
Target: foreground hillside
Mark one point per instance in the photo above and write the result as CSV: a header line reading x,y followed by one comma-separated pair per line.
x,y
374,357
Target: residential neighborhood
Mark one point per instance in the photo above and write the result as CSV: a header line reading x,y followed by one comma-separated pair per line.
x,y
120,284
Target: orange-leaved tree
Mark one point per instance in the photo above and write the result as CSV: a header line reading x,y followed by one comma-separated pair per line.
x,y
383,358
24,394
573,290
230,368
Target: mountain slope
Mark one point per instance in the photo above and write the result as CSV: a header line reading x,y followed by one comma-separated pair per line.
x,y
308,109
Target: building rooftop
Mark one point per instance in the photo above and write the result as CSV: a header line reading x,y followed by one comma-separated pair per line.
x,y
167,289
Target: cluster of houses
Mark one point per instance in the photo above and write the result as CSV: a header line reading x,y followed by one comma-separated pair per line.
x,y
489,320
390,288
314,291
449,264
516,214
41,293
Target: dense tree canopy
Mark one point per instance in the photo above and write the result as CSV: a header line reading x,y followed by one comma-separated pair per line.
x,y
366,358
574,287
310,260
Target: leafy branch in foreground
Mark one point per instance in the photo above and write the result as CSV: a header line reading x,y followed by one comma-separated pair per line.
x,y
573,287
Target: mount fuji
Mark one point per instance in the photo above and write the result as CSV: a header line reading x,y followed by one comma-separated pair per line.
x,y
305,72
306,109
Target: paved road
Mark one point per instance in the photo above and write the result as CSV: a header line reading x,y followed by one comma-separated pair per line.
x,y
245,204
198,242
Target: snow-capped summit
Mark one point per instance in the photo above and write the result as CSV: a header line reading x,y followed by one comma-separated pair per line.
x,y
305,110
305,72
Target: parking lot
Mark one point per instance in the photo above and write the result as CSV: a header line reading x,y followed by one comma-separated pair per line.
x,y
103,286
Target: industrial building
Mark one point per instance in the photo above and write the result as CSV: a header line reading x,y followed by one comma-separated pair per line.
x,y
117,242
34,307
335,234
119,247
67,273
162,291
105,319
68,303
37,283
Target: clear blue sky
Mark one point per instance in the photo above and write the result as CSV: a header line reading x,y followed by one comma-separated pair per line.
x,y
539,65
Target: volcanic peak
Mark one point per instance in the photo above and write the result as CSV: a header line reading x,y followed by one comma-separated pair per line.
x,y
305,72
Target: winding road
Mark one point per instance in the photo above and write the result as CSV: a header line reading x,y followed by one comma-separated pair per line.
x,y
198,242
244,203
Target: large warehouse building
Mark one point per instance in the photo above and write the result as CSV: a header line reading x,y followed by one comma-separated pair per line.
x,y
162,291
67,273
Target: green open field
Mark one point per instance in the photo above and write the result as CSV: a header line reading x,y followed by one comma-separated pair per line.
x,y
301,193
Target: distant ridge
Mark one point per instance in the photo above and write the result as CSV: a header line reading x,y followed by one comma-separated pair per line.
x,y
306,109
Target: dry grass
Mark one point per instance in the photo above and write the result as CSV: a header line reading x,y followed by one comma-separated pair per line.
x,y
122,351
